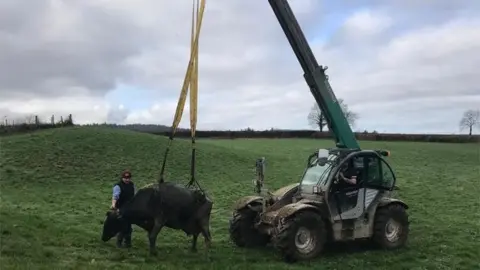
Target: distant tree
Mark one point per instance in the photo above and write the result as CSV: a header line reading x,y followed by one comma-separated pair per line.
x,y
470,119
29,119
316,118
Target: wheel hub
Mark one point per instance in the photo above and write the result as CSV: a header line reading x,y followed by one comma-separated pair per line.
x,y
392,230
304,240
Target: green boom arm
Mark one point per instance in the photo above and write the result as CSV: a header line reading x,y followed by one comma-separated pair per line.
x,y
315,76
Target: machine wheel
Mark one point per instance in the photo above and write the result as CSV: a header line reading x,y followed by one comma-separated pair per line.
x,y
301,237
242,231
391,227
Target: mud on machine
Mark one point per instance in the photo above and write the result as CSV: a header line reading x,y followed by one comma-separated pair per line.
x,y
299,219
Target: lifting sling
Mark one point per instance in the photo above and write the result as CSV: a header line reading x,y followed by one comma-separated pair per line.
x,y
190,81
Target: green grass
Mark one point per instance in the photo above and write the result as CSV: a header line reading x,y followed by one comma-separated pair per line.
x,y
56,186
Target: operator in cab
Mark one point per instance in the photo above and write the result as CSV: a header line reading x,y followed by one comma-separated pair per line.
x,y
347,179
123,191
348,173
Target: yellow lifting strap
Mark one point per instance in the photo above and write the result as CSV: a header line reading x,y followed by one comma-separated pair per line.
x,y
194,92
191,80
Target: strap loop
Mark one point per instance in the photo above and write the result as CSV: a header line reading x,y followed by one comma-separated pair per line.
x,y
190,81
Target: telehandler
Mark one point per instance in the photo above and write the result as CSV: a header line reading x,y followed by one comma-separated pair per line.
x,y
299,219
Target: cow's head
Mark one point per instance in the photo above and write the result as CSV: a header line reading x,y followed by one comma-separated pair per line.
x,y
112,225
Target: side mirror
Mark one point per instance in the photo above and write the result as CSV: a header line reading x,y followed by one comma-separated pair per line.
x,y
322,154
322,157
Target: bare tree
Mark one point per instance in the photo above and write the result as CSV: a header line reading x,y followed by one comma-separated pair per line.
x,y
316,117
30,119
470,119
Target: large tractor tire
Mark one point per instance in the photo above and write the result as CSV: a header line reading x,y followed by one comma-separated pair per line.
x,y
301,238
391,227
242,230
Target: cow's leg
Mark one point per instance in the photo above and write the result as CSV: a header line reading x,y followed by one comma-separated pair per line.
x,y
194,242
153,233
120,238
204,221
207,237
205,229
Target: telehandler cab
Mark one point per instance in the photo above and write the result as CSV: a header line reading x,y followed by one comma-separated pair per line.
x,y
300,218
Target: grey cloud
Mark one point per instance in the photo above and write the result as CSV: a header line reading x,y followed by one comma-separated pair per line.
x,y
246,66
9,117
436,62
53,48
117,115
93,46
240,43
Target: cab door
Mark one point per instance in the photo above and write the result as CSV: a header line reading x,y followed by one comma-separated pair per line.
x,y
347,200
374,175
379,174
379,177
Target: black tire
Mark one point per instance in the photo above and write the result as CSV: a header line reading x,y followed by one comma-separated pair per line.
x,y
386,218
242,230
285,239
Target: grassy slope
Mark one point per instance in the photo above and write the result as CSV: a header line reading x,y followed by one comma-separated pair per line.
x,y
56,184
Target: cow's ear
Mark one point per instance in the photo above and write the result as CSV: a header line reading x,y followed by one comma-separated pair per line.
x,y
111,212
117,213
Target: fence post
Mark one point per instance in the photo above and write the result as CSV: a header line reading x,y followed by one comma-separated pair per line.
x,y
70,120
36,120
52,120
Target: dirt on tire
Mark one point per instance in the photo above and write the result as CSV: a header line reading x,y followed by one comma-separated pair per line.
x,y
284,238
394,212
242,231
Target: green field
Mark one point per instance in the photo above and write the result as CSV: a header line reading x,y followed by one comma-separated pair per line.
x,y
56,187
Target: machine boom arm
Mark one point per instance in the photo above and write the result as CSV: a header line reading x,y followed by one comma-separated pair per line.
x,y
315,76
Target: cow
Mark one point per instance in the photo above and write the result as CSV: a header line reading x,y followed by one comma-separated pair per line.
x,y
163,204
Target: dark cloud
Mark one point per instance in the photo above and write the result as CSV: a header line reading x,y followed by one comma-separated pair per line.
x,y
55,48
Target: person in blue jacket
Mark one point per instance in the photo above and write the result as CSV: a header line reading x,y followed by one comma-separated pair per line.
x,y
123,191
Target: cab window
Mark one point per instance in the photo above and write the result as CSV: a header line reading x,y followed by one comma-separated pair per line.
x,y
374,176
379,174
387,175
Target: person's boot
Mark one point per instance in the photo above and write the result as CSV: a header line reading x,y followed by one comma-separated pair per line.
x,y
119,240
128,241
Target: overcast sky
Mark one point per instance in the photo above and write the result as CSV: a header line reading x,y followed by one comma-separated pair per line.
x,y
401,65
